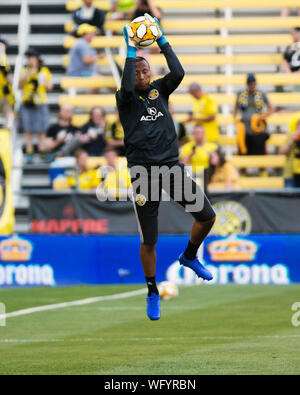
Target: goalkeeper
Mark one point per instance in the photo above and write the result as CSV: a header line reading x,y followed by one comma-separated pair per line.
x,y
152,154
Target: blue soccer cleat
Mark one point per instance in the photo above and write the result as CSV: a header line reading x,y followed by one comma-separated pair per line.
x,y
153,306
196,266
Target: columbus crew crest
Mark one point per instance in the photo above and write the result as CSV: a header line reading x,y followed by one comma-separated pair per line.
x,y
153,94
140,199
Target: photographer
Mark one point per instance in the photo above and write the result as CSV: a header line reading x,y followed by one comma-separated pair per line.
x,y
6,94
35,81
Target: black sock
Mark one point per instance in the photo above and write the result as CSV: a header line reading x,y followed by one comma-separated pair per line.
x,y
191,251
151,284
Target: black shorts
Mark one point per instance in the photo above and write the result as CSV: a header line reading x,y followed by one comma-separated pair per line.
x,y
165,182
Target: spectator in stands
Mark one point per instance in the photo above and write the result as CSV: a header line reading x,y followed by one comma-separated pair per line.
x,y
115,176
58,134
122,9
204,112
289,149
292,149
115,136
93,132
286,11
179,127
221,174
83,58
254,108
87,178
35,81
196,153
288,65
147,6
6,93
90,15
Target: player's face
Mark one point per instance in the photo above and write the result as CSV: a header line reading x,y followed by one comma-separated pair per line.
x,y
142,76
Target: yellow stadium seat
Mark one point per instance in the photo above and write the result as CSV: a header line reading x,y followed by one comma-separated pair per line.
x,y
72,5
260,161
202,60
87,82
252,183
240,79
209,24
275,140
88,101
197,40
261,182
202,79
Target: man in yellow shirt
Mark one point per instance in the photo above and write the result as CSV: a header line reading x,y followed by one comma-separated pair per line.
x,y
112,179
197,152
35,81
204,112
6,94
292,150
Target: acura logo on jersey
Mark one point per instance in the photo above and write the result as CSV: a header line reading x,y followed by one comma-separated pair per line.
x,y
153,114
152,111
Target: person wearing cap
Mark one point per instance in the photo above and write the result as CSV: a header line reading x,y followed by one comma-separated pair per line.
x,y
204,112
90,15
254,108
6,94
83,57
35,81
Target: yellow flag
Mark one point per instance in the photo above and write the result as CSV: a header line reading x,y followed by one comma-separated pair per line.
x,y
7,219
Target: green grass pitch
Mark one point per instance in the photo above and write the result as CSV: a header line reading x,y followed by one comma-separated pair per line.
x,y
212,329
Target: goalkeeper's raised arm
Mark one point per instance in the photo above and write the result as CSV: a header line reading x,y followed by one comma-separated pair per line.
x,y
172,80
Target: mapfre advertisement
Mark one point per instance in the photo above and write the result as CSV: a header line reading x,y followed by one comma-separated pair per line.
x,y
57,260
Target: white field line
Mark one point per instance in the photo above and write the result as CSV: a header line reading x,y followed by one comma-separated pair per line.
x,y
144,339
73,303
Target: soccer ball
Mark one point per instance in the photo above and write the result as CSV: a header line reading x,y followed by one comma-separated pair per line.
x,y
143,31
167,290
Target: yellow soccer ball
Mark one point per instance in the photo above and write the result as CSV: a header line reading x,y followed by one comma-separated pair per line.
x,y
167,290
143,31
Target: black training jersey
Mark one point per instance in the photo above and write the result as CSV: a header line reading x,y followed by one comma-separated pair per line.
x,y
150,136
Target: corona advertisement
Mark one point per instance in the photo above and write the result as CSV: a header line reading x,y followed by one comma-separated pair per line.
x,y
6,206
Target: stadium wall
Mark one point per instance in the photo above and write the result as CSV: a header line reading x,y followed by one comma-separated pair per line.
x,y
61,260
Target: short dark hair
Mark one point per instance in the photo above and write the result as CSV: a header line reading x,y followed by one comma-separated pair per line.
x,y
141,59
79,152
110,149
97,108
